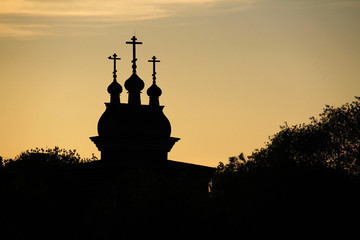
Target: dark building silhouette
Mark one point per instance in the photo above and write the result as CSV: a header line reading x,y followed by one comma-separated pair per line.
x,y
132,131
134,141
133,134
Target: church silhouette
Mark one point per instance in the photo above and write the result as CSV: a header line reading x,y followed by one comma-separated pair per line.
x,y
146,188
134,132
134,136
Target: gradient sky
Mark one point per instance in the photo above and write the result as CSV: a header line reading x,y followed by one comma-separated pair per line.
x,y
231,71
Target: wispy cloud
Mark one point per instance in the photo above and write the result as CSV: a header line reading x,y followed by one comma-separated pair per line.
x,y
80,8
33,18
27,18
27,31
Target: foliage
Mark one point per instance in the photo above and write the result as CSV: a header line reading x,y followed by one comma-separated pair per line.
x,y
40,157
302,170
33,173
332,141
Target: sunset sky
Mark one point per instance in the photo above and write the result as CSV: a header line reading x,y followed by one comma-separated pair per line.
x,y
231,71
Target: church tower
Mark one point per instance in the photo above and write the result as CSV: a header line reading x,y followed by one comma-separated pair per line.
x,y
131,133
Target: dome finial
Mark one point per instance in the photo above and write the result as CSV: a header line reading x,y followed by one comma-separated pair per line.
x,y
134,42
114,88
114,57
154,72
134,84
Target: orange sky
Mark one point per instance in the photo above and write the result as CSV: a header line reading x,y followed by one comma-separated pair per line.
x,y
231,71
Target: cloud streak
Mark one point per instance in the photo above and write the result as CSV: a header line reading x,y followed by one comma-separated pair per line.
x,y
81,8
33,18
13,13
27,31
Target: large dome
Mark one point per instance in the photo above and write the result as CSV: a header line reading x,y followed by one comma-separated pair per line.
x,y
123,121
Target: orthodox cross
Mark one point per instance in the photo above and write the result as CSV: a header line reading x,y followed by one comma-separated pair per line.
x,y
154,61
114,57
134,42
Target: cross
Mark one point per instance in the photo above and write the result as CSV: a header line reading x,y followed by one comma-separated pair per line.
x,y
134,42
114,57
154,61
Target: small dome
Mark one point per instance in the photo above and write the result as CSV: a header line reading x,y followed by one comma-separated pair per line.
x,y
154,91
114,88
134,83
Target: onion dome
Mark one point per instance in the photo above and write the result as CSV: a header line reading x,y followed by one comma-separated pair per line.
x,y
114,88
134,83
154,91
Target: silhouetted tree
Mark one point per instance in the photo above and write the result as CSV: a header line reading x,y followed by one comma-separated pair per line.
x,y
40,157
34,191
306,175
333,141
